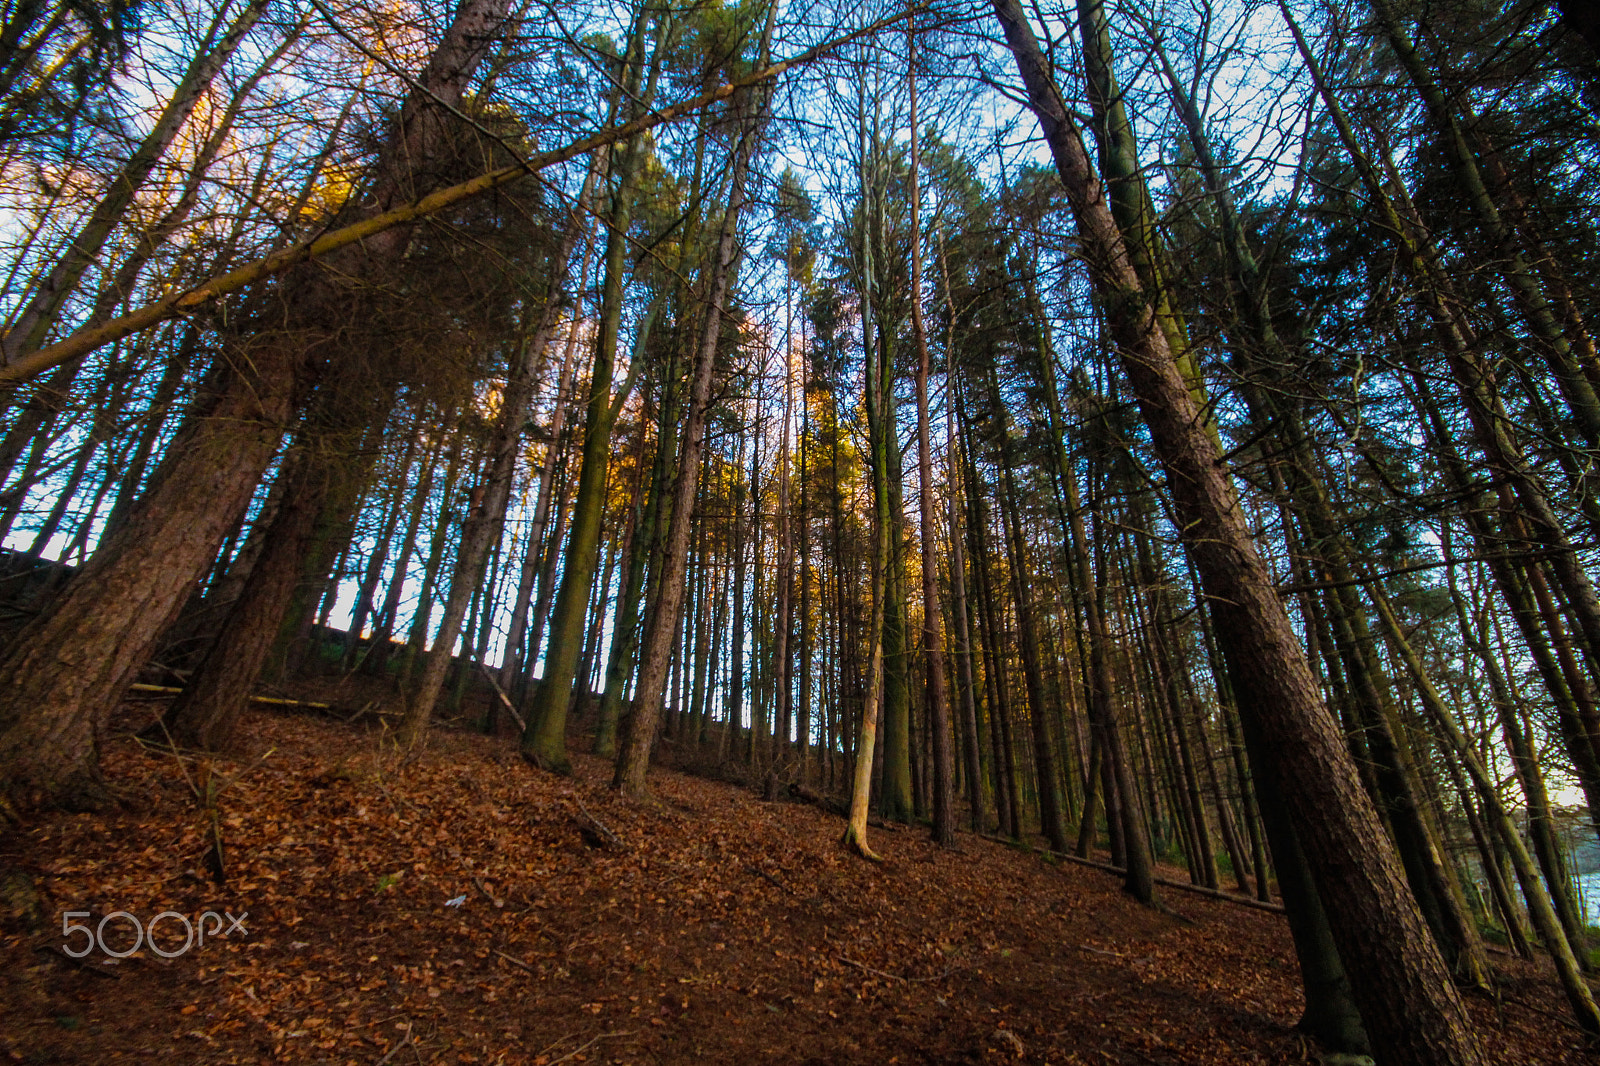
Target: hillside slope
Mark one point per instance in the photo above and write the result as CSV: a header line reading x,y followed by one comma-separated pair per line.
x,y
463,908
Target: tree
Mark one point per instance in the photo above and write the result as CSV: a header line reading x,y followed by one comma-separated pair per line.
x,y
1410,1008
74,662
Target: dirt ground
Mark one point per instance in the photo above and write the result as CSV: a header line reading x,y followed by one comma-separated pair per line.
x,y
462,908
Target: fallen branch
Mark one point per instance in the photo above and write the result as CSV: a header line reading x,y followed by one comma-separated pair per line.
x,y
513,960
278,701
512,711
838,807
595,832
896,977
396,1049
819,800
587,1045
1103,951
868,969
1199,890
186,301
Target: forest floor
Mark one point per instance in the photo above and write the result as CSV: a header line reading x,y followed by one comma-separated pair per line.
x,y
460,907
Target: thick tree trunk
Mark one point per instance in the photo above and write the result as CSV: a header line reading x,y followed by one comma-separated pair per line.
x,y
66,671
205,715
1410,1007
895,798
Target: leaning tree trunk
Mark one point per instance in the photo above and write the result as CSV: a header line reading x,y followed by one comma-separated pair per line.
x,y
633,758
205,714
62,675
1411,1009
487,518
65,671
1540,908
544,742
855,833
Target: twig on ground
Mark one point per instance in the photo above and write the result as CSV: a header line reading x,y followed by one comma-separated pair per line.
x,y
477,882
276,701
581,1048
392,1052
589,1044
758,871
948,970
1102,951
363,709
595,832
513,960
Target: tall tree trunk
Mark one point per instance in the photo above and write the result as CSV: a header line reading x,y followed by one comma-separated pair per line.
x,y
625,629
71,666
1410,1007
544,742
782,654
944,815
633,758
995,668
486,521
963,642
68,669
1039,707
733,706
1545,920
327,467
383,627
520,649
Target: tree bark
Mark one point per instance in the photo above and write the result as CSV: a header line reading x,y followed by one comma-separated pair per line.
x,y
544,742
944,816
65,673
633,758
1410,1007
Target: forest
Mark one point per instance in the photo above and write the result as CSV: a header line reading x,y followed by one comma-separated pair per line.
x,y
1003,451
